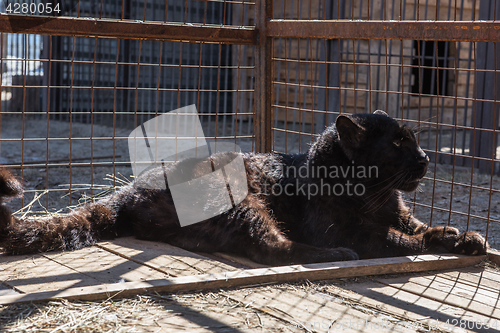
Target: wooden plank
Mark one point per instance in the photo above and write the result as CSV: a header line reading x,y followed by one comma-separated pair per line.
x,y
164,257
236,278
494,256
318,312
482,283
104,266
455,293
473,31
488,295
126,29
216,257
35,273
475,276
193,314
240,260
408,306
5,291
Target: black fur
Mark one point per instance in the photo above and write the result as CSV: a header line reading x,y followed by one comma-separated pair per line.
x,y
271,227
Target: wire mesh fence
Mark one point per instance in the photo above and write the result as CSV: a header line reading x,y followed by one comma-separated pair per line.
x,y
445,89
69,103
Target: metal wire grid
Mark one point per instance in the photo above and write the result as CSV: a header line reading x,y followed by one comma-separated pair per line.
x,y
447,90
385,79
313,77
435,10
204,12
147,82
69,103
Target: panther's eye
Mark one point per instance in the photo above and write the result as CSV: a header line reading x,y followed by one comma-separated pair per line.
x,y
397,142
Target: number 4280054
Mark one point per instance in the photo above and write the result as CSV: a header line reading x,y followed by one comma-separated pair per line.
x,y
32,8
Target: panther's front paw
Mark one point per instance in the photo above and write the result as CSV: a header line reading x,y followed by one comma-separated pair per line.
x,y
439,237
470,243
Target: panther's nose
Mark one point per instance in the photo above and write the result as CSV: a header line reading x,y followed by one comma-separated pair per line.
x,y
422,157
423,160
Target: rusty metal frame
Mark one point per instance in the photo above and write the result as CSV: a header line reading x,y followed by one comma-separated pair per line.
x,y
477,31
262,35
127,29
263,79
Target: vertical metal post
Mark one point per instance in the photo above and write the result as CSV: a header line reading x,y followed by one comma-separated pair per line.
x,y
45,78
264,75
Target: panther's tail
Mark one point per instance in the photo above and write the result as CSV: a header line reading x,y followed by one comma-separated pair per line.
x,y
80,228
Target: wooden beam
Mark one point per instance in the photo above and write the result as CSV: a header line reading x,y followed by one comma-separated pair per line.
x,y
163,257
322,271
240,260
494,256
454,292
407,306
477,31
127,29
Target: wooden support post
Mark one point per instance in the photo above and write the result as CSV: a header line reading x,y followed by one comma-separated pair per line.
x,y
264,76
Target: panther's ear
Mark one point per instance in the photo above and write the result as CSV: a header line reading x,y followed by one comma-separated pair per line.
x,y
350,132
383,113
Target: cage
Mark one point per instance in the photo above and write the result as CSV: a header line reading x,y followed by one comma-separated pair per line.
x,y
268,76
